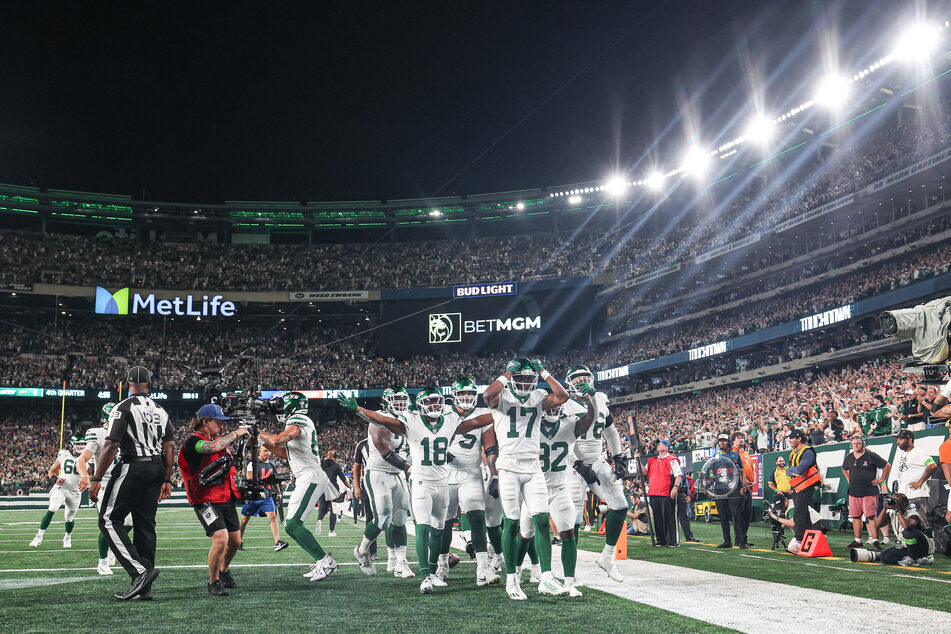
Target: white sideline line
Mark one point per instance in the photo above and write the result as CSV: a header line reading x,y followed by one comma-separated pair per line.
x,y
203,566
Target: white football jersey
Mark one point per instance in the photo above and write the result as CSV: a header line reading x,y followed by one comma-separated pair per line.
x,y
67,470
375,459
557,443
518,424
467,448
590,445
429,445
95,438
303,455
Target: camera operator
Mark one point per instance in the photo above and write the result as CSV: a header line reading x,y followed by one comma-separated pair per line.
x,y
913,546
914,468
804,481
860,469
205,463
265,507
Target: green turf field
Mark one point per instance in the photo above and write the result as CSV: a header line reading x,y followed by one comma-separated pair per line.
x,y
55,587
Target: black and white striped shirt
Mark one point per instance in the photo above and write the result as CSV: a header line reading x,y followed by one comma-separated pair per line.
x,y
361,454
140,426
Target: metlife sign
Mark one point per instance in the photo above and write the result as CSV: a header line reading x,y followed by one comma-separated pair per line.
x,y
125,301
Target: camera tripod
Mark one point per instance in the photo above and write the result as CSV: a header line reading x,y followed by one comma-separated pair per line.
x,y
779,535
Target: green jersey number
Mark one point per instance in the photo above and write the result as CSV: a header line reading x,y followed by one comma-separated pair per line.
x,y
513,420
69,467
597,428
467,441
313,443
560,451
440,447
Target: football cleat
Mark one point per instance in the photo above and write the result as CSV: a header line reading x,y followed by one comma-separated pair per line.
x,y
439,583
570,588
513,589
927,560
536,574
907,561
550,586
402,570
442,572
606,563
391,563
496,562
111,558
332,534
36,541
426,587
363,560
103,568
280,545
324,568
67,541
487,576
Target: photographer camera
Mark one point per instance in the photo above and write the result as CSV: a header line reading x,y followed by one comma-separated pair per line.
x,y
205,462
266,507
775,514
914,547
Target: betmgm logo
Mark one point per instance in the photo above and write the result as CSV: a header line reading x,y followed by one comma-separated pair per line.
x,y
445,327
112,303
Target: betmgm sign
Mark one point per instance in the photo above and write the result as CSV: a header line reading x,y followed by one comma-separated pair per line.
x,y
449,327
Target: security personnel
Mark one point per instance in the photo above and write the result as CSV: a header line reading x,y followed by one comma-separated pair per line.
x,y
140,432
728,508
804,479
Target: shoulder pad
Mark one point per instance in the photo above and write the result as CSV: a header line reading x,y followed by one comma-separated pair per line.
x,y
301,420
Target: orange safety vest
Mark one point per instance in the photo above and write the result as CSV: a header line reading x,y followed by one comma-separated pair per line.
x,y
805,480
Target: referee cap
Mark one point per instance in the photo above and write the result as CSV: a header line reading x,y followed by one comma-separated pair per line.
x,y
138,374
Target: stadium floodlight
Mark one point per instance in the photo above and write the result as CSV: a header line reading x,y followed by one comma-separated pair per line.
x,y
833,90
616,186
696,162
435,213
761,130
574,200
654,181
916,43
520,206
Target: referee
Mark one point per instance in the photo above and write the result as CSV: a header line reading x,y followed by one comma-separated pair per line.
x,y
141,434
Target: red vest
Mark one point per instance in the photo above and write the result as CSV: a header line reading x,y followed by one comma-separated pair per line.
x,y
198,494
658,475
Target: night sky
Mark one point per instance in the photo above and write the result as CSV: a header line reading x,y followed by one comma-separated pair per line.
x,y
322,101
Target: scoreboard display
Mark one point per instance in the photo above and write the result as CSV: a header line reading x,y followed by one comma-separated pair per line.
x,y
523,323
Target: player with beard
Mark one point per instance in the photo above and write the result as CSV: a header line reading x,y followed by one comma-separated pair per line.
x,y
429,429
591,469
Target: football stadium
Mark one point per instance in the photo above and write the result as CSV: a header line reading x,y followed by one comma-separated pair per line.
x,y
627,316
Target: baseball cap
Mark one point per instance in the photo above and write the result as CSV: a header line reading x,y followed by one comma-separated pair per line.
x,y
909,392
725,437
906,433
138,374
211,411
797,433
666,442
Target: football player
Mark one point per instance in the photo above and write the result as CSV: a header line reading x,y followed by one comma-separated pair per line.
x,y
65,492
385,484
558,436
428,430
591,469
95,437
298,444
518,407
466,489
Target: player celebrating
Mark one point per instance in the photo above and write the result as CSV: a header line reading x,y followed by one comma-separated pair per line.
x,y
518,408
383,481
466,489
298,444
559,433
592,470
65,492
429,430
95,438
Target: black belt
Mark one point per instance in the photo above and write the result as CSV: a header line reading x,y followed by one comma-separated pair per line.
x,y
128,459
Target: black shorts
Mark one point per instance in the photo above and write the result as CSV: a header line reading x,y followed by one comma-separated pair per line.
x,y
215,517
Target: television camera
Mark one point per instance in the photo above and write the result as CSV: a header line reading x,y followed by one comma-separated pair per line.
x,y
926,326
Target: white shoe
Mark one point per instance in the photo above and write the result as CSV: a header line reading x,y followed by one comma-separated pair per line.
x,y
36,541
324,568
536,574
391,564
317,528
439,583
363,560
570,588
926,560
487,576
514,590
907,561
885,540
550,586
606,563
442,572
426,587
793,547
497,561
111,558
402,570
587,527
103,568
331,534
579,582
67,541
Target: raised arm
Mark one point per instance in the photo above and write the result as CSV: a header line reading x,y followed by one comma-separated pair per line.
x,y
482,420
585,422
277,443
491,394
350,404
558,393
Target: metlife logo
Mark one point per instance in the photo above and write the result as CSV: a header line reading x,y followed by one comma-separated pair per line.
x,y
124,302
449,327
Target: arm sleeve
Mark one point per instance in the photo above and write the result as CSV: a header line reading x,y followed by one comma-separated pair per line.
x,y
675,468
613,439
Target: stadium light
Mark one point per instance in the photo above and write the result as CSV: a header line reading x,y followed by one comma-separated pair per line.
x,y
696,162
761,130
520,206
654,181
435,213
574,200
832,91
615,186
916,43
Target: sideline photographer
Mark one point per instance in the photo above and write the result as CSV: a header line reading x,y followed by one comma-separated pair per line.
x,y
267,473
914,547
205,462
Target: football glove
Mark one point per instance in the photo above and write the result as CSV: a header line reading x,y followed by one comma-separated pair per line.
x,y
537,365
493,489
620,469
513,366
586,472
348,403
586,390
